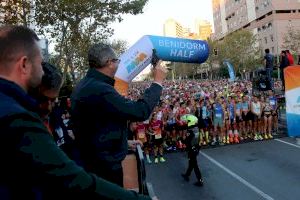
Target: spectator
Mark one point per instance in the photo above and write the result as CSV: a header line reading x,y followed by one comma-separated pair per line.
x,y
32,166
290,57
100,114
283,64
269,63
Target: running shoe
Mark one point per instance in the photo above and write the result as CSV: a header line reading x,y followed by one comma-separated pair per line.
x,y
236,140
266,137
224,140
260,137
199,183
156,160
185,177
161,159
227,140
149,161
270,136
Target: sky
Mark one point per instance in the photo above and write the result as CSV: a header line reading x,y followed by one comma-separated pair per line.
x,y
156,12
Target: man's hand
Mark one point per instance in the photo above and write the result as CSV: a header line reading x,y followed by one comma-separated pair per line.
x,y
133,143
159,72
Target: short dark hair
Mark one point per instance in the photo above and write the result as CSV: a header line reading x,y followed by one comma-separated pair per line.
x,y
15,40
284,52
52,78
99,54
267,50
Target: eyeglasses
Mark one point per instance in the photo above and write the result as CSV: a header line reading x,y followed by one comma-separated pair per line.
x,y
116,60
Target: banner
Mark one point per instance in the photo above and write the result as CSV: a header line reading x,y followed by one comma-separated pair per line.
x,y
139,56
230,70
292,96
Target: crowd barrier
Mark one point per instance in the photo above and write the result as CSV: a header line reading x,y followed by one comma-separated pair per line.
x,y
135,173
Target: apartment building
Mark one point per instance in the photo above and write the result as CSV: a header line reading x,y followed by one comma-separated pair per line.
x,y
174,29
269,19
203,30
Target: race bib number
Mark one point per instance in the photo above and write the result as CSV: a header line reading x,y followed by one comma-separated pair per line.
x,y
272,102
141,135
218,115
157,136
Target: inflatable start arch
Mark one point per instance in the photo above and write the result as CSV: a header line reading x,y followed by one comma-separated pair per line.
x,y
139,56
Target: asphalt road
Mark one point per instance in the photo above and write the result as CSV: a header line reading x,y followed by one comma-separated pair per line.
x,y
256,170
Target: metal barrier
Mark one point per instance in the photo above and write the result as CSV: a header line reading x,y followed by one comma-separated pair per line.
x,y
144,187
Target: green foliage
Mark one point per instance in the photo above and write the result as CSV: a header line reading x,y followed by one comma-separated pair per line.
x,y
67,87
73,26
240,48
16,12
291,40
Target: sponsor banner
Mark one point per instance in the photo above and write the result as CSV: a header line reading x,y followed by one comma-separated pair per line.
x,y
230,70
139,56
292,95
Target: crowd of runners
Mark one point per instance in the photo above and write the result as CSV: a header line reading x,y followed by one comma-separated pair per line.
x,y
227,112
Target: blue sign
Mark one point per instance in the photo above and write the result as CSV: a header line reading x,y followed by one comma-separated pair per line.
x,y
179,49
230,70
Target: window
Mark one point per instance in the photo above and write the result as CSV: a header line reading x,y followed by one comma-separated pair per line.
x,y
266,40
258,29
273,49
270,25
272,38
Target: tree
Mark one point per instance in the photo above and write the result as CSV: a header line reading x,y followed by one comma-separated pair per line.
x,y
73,26
76,25
16,12
240,48
291,40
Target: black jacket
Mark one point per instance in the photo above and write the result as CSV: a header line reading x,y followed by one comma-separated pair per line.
x,y
284,62
100,115
32,166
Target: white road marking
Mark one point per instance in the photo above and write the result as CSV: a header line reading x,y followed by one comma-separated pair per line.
x,y
234,175
288,143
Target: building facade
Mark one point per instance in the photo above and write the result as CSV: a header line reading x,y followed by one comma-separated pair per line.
x,y
172,28
203,29
269,19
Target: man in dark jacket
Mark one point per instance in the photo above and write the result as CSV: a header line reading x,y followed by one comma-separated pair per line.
x,y
100,114
32,166
269,64
284,62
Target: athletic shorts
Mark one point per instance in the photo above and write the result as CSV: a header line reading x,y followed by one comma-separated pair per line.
x,y
239,119
218,121
158,142
267,114
255,117
247,117
170,127
203,123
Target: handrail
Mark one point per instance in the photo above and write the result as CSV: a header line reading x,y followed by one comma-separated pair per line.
x,y
144,187
141,170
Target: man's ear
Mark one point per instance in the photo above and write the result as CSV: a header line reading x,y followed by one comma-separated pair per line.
x,y
23,65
